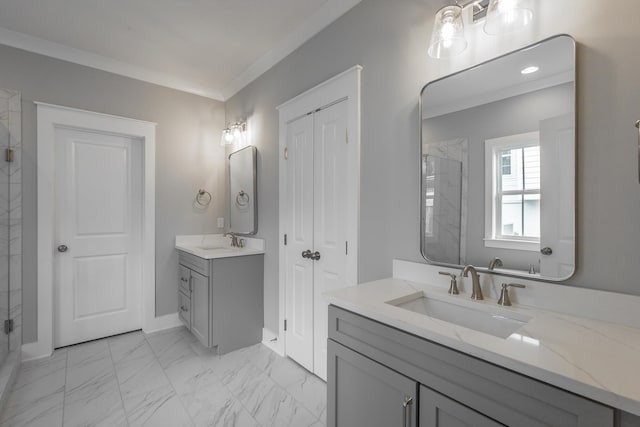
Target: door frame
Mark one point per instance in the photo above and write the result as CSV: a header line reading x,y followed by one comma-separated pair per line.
x,y
344,86
49,118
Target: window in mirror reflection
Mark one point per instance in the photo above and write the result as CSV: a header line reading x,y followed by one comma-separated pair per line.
x,y
514,165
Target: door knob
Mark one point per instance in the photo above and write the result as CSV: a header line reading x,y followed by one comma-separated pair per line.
x,y
546,251
62,248
315,256
306,254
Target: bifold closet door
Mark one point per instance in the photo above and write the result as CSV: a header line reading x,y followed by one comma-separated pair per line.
x,y
299,270
330,186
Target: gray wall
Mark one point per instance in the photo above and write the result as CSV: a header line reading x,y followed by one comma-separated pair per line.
x,y
511,116
188,155
389,38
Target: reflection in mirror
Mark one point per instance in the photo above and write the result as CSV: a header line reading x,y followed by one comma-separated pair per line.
x,y
498,164
243,208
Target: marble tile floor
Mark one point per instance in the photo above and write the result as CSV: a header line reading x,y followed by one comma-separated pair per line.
x,y
164,379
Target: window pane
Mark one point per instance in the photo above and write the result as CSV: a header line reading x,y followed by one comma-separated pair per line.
x,y
532,168
512,180
532,215
511,216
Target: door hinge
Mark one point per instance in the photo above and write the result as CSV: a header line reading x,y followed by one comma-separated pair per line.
x,y
286,153
8,326
8,155
285,240
346,248
346,134
285,325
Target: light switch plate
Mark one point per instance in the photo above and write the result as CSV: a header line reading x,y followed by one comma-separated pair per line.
x,y
220,222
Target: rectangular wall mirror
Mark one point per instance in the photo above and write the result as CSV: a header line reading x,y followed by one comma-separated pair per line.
x,y
243,207
498,164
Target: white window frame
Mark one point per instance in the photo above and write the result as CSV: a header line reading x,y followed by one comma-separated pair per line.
x,y
492,212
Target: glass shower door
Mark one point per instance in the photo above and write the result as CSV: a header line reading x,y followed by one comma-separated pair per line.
x,y
10,221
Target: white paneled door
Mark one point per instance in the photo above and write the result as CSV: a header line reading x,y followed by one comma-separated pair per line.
x,y
557,204
330,239
299,269
98,231
317,246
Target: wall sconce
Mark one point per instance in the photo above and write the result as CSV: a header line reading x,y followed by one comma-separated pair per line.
x,y
502,16
236,133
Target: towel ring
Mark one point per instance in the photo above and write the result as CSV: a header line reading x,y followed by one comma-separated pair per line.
x,y
203,198
242,199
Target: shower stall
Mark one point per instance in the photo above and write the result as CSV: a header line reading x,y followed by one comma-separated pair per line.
x,y
10,238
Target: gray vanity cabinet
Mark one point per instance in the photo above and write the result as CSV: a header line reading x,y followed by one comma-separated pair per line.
x,y
367,393
221,300
453,389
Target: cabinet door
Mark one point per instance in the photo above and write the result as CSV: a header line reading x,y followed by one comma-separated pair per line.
x,y
200,307
437,410
185,309
363,393
183,283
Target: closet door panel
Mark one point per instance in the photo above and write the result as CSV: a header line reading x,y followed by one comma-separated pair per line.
x,y
299,270
330,186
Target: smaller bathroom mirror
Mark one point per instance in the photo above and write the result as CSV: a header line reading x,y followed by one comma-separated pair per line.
x,y
243,209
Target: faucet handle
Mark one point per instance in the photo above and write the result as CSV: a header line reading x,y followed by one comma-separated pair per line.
x,y
453,287
504,293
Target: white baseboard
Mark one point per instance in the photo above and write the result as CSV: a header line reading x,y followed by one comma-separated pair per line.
x,y
270,340
35,350
161,323
39,350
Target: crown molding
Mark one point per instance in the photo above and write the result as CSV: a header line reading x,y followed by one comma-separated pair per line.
x,y
92,60
324,16
328,13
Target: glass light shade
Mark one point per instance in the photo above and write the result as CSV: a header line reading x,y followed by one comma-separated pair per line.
x,y
447,38
227,137
507,16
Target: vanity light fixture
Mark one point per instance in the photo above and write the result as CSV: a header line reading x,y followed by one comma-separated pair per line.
x,y
502,16
234,134
529,70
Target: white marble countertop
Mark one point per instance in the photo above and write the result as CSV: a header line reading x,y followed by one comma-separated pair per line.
x,y
592,358
212,246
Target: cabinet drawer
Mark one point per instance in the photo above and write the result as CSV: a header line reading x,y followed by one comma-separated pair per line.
x,y
184,277
502,395
185,309
194,263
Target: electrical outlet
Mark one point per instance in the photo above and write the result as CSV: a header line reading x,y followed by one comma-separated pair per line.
x,y
220,222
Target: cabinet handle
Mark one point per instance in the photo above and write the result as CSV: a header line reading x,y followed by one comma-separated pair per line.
x,y
315,256
406,407
183,308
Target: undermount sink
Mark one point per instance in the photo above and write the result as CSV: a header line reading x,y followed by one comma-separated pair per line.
x,y
211,247
490,320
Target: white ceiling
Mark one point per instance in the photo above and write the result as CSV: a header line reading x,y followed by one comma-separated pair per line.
x,y
207,47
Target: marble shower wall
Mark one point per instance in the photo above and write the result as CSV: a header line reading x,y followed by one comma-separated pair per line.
x,y
10,218
451,178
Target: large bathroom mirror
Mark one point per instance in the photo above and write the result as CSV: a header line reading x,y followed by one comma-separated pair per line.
x,y
498,164
243,207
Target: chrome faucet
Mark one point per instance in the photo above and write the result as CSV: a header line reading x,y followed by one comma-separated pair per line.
x,y
495,262
476,292
234,240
